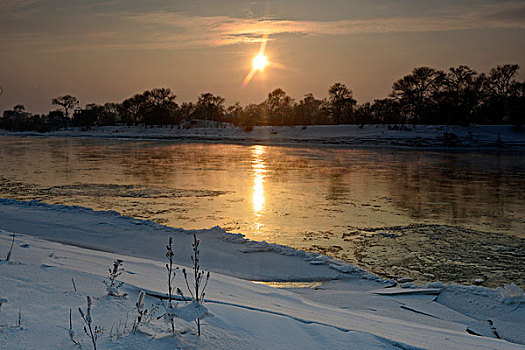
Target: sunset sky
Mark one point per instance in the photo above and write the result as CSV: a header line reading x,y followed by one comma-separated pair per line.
x,y
103,50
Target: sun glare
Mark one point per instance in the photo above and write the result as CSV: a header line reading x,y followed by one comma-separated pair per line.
x,y
259,62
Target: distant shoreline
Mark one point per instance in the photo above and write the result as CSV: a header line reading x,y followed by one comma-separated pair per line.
x,y
498,137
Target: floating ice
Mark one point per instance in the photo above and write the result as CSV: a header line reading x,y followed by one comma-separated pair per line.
x,y
511,293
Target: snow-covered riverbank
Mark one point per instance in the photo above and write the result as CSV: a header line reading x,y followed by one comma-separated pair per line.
x,y
353,135
352,308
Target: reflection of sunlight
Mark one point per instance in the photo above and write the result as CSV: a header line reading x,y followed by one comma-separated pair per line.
x,y
259,174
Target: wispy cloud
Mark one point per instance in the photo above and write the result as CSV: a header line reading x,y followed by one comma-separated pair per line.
x,y
196,31
15,4
177,30
514,14
15,8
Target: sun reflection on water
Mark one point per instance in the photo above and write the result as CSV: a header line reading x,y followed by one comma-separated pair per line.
x,y
259,175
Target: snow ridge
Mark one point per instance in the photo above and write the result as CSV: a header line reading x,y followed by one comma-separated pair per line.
x,y
344,269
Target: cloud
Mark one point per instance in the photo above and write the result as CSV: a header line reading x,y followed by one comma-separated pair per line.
x,y
15,8
196,31
15,5
516,14
177,30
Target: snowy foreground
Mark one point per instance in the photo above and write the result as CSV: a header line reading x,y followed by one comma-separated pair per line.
x,y
369,135
351,309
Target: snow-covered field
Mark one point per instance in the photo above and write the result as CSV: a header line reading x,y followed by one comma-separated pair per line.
x,y
368,135
351,308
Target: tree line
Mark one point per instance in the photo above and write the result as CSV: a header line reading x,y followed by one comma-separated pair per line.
x,y
459,96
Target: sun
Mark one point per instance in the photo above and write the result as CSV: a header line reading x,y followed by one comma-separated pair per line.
x,y
260,62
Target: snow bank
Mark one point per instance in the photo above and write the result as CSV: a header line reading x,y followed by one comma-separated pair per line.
x,y
368,135
243,314
227,253
346,309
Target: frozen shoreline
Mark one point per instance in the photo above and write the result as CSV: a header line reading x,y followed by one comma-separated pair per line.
x,y
418,136
344,310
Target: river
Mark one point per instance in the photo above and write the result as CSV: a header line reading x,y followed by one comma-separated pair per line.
x,y
427,214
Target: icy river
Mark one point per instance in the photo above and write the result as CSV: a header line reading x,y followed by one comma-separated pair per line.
x,y
425,214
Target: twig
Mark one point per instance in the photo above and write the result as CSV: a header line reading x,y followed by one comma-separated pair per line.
x,y
88,321
126,323
71,331
171,276
10,249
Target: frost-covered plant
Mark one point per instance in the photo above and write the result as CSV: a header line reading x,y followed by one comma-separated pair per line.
x,y
91,330
152,312
112,285
142,311
171,276
119,332
200,279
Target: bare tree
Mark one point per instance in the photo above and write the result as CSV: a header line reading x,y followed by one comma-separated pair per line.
x,y
501,79
210,107
279,106
342,103
130,109
67,102
416,91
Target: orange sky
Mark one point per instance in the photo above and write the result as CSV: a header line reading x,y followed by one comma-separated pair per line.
x,y
105,50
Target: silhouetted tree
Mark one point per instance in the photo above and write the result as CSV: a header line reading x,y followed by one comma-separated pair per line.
x,y
311,111
210,107
252,115
186,111
341,104
67,102
500,89
279,107
501,80
460,96
56,119
159,107
234,113
516,105
16,119
364,114
425,96
130,109
111,114
416,93
387,111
